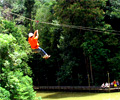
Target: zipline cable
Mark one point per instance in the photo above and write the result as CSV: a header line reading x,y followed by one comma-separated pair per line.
x,y
71,26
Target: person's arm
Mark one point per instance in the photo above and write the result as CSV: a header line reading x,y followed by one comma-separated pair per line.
x,y
36,34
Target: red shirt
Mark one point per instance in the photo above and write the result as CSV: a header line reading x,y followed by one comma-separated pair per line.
x,y
33,41
114,82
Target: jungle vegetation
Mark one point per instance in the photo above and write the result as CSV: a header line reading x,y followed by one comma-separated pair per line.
x,y
86,50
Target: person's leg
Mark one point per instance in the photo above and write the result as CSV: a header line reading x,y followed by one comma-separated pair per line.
x,y
42,53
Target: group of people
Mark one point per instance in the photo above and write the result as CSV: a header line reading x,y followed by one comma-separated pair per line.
x,y
113,84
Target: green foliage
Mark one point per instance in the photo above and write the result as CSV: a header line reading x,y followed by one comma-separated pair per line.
x,y
4,94
83,13
81,48
12,60
16,5
14,50
78,50
112,15
73,51
38,98
20,86
28,13
49,41
8,27
43,13
113,9
12,47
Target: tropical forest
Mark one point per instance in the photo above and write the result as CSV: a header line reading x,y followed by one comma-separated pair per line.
x,y
82,37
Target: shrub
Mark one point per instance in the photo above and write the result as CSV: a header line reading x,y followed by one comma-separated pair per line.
x,y
14,69
4,94
20,86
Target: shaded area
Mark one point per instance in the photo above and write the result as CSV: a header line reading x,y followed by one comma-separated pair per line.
x,y
57,95
77,96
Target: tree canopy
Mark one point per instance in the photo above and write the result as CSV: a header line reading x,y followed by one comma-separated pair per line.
x,y
77,54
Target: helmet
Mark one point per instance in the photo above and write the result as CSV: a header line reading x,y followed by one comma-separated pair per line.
x,y
30,34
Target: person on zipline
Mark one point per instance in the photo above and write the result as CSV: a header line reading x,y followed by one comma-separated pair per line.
x,y
33,41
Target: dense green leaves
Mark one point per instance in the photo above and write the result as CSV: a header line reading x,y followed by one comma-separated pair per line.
x,y
13,63
4,94
28,13
75,53
93,45
20,86
81,51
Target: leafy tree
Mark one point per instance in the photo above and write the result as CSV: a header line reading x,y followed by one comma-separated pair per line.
x,y
112,15
28,13
4,94
45,71
20,86
75,53
13,63
84,51
16,6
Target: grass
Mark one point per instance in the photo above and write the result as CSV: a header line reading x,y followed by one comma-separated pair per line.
x,y
78,96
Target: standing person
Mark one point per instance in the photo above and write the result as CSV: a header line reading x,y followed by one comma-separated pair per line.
x,y
114,82
33,41
117,83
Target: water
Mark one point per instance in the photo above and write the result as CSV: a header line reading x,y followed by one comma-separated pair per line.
x,y
78,96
